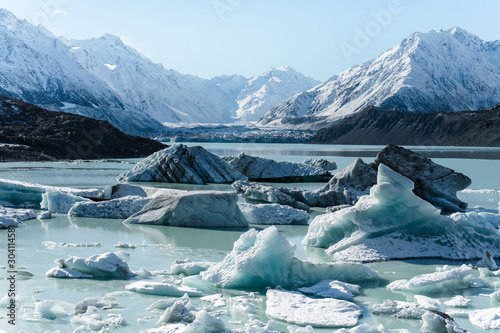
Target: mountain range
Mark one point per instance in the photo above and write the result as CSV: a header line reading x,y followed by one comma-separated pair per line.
x,y
105,79
450,70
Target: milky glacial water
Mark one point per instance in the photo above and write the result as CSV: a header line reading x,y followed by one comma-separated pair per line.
x,y
162,245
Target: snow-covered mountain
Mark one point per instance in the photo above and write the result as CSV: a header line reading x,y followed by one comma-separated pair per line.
x,y
105,79
449,70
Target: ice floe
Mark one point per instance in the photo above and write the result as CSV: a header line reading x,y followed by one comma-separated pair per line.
x,y
107,302
183,164
120,208
366,328
51,244
485,319
59,202
48,310
92,321
13,217
436,322
162,288
295,308
175,314
163,304
321,163
107,265
273,214
175,208
188,267
264,169
266,259
332,289
458,301
393,223
398,309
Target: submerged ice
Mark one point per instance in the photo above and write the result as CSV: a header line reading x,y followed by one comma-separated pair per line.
x,y
393,223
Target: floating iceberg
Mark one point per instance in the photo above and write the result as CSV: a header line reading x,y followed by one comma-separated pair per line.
x,y
120,208
264,169
267,193
59,202
163,289
436,322
13,217
188,267
393,223
183,164
295,308
203,209
366,328
486,319
266,259
105,303
48,310
457,278
25,194
332,289
176,313
321,163
398,309
458,301
107,265
273,214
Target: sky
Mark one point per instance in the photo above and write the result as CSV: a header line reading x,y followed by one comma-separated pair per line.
x,y
207,38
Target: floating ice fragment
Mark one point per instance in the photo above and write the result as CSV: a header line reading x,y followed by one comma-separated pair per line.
x,y
458,301
488,261
439,322
163,289
216,299
320,163
188,267
45,215
266,259
427,303
107,302
332,289
125,245
175,314
398,309
366,328
295,308
273,214
299,329
162,304
13,217
205,323
51,244
58,202
120,208
48,310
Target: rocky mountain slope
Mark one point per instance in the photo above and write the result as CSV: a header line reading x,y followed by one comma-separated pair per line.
x,y
30,133
436,71
374,126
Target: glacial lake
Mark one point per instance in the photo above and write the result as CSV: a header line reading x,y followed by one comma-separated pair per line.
x,y
162,245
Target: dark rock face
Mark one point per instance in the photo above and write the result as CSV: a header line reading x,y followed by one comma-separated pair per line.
x,y
433,182
30,133
374,126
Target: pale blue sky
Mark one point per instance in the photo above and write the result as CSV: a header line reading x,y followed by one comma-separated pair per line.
x,y
319,38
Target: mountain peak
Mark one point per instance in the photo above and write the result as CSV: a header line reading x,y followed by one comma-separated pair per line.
x,y
112,38
7,18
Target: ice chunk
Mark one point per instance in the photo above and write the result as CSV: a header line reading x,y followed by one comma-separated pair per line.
x,y
488,261
205,323
366,328
458,301
295,308
398,309
439,322
13,217
456,278
61,273
175,208
162,304
121,208
393,223
91,321
51,244
266,258
427,303
58,202
273,214
321,163
216,299
299,329
20,193
123,190
332,289
175,314
267,193
107,265
182,164
46,215
264,169
48,310
188,267
486,319
125,245
107,302
161,288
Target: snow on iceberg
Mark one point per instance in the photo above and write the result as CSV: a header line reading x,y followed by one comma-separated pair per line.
x,y
183,164
393,223
456,278
26,194
175,208
321,163
161,288
264,169
266,259
13,217
120,208
273,214
107,265
295,308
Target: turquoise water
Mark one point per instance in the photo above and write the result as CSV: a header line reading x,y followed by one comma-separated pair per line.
x,y
163,245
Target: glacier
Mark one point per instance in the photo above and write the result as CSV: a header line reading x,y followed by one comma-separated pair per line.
x,y
393,223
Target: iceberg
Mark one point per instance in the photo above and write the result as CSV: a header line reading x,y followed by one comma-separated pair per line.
x,y
175,208
321,163
188,267
264,169
120,208
107,265
48,310
19,193
273,214
59,202
398,309
456,278
183,164
267,193
11,217
393,223
366,328
436,322
458,301
175,314
485,319
332,289
266,259
163,289
295,308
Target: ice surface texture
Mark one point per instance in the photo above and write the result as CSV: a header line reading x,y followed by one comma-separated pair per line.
x,y
120,208
182,164
13,217
264,169
266,259
273,214
321,163
393,223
